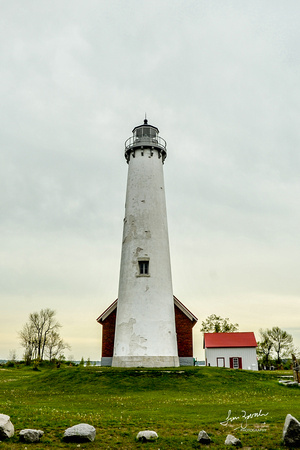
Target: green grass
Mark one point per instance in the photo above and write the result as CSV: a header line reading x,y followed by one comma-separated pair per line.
x,y
176,403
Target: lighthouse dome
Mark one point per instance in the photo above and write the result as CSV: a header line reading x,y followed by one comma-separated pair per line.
x,y
145,136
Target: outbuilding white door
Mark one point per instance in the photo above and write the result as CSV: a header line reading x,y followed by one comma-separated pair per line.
x,y
221,362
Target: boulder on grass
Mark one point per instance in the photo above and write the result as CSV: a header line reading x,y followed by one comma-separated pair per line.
x,y
6,427
147,435
203,438
291,431
231,440
80,433
29,435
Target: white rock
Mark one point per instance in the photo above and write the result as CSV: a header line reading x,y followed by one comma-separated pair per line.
x,y
6,427
147,435
80,433
30,435
203,438
291,431
231,440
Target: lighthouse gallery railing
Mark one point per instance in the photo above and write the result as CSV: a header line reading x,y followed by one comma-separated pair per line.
x,y
134,141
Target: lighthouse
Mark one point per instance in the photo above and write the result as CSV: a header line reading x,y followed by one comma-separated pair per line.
x,y
145,332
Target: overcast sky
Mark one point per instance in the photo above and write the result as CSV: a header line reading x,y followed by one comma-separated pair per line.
x,y
220,79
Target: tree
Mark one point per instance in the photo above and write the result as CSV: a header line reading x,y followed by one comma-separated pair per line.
x,y
282,342
55,346
273,342
27,339
12,357
40,334
265,347
216,324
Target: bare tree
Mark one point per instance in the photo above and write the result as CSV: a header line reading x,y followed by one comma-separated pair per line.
x,y
216,324
265,346
43,323
55,346
12,357
41,328
282,342
27,338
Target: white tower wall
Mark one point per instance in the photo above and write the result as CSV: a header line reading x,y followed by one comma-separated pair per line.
x,y
145,326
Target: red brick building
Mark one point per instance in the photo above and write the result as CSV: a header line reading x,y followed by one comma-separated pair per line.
x,y
184,321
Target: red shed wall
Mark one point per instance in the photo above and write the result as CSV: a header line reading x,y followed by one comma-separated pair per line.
x,y
108,334
184,332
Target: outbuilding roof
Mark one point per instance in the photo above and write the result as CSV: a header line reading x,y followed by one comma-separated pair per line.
x,y
238,339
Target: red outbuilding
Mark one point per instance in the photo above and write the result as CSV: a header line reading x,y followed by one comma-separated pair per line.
x,y
233,350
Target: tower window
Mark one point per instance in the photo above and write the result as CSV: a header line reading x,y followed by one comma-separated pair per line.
x,y
143,267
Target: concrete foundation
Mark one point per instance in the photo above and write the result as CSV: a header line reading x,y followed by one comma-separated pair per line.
x,y
186,361
145,361
106,361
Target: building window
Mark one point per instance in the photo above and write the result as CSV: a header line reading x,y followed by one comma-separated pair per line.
x,y
235,363
143,267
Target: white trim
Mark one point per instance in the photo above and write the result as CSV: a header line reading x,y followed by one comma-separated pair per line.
x,y
178,303
108,311
184,309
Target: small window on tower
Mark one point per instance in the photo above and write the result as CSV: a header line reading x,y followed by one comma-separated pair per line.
x,y
144,267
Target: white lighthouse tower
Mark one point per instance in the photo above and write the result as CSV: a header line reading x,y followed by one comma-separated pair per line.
x,y
145,333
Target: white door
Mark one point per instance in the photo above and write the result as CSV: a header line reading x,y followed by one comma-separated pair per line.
x,y
221,362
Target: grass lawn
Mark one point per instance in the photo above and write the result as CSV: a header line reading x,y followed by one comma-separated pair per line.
x,y
176,403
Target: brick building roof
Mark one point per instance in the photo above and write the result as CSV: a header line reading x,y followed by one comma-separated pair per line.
x,y
178,303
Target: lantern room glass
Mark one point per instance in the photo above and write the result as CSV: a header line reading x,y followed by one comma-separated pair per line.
x,y
145,132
